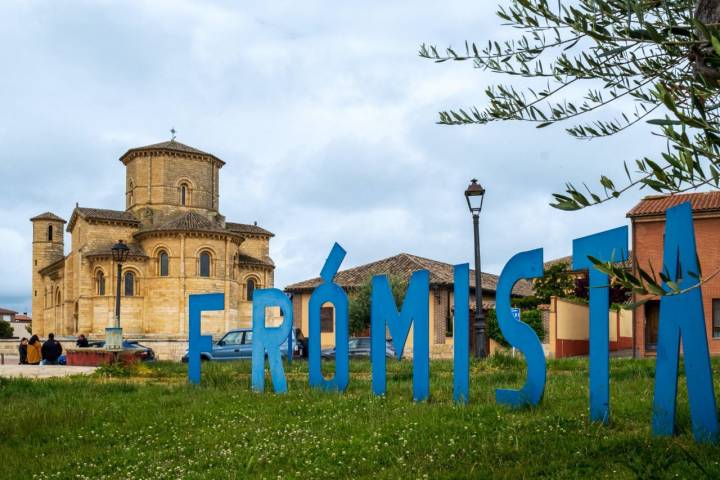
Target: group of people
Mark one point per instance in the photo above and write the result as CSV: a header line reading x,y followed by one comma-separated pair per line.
x,y
35,352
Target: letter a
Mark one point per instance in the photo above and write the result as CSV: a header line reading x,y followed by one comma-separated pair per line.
x,y
682,319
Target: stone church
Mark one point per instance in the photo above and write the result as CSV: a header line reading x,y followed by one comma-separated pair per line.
x,y
179,243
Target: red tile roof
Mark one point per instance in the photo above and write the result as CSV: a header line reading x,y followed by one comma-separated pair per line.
x,y
402,266
657,204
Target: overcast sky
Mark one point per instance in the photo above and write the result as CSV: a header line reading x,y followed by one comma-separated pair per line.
x,y
322,110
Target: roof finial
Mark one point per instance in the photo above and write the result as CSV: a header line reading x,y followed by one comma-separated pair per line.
x,y
173,132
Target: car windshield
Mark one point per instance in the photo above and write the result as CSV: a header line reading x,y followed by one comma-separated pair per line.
x,y
232,338
359,343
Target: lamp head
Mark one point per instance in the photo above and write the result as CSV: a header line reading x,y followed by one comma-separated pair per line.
x,y
474,195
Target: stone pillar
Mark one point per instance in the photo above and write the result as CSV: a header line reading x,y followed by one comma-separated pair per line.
x,y
226,313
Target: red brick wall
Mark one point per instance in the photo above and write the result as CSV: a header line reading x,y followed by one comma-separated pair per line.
x,y
648,247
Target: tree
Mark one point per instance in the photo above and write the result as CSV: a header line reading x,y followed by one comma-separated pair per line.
x,y
6,330
662,55
557,281
359,303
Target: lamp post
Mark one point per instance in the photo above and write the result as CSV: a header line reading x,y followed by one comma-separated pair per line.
x,y
113,339
474,195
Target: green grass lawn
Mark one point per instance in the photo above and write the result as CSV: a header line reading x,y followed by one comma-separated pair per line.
x,y
148,423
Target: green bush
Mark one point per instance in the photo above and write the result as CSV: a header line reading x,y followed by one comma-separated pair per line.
x,y
527,303
531,317
6,330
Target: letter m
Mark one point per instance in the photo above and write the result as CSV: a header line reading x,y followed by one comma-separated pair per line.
x,y
383,312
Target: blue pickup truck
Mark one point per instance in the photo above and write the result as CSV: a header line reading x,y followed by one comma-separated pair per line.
x,y
237,345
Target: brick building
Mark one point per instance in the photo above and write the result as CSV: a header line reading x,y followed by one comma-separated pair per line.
x,y
441,302
648,231
179,244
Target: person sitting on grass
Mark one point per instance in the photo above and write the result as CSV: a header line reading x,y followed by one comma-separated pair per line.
x,y
51,351
82,341
34,354
22,351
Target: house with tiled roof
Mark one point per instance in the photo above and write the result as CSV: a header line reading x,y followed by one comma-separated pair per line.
x,y
401,266
648,231
179,244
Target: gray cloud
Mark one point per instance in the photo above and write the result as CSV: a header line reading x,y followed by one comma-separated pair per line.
x,y
323,111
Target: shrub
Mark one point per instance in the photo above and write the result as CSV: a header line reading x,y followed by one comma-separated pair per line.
x,y
6,330
527,303
532,317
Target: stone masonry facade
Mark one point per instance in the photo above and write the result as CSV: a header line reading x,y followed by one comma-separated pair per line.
x,y
179,243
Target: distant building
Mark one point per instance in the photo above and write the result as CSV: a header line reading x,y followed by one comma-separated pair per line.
x,y
20,325
441,303
17,321
7,315
648,231
179,243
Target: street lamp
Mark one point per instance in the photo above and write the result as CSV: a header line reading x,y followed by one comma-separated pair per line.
x,y
113,340
474,195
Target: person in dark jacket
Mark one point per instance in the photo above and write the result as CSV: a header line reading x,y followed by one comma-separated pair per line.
x,y
22,350
302,342
51,351
82,341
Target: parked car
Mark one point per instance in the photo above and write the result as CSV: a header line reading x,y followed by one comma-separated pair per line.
x,y
237,345
360,347
146,353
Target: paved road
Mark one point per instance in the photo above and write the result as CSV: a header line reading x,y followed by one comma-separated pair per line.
x,y
42,371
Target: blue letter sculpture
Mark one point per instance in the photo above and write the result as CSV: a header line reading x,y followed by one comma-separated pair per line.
x,y
461,327
518,334
414,311
682,318
332,293
197,342
608,246
269,339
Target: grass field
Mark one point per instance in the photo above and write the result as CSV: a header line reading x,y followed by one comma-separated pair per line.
x,y
148,423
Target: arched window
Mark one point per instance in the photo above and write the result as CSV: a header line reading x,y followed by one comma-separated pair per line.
x,y
205,260
100,283
250,289
50,233
184,194
58,298
129,284
164,264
